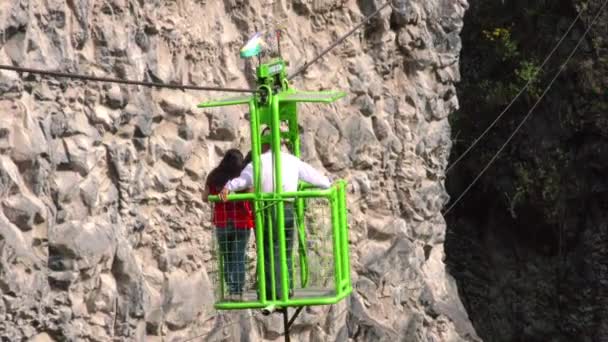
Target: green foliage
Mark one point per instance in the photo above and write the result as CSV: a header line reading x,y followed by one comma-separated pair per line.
x,y
523,70
529,71
502,50
524,184
506,47
539,182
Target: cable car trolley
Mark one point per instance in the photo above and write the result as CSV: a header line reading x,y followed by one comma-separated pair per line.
x,y
318,271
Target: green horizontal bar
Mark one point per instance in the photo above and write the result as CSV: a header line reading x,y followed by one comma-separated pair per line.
x,y
311,96
308,194
290,303
234,197
239,305
312,301
229,101
306,186
277,197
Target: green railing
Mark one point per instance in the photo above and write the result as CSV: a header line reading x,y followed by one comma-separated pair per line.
x,y
330,248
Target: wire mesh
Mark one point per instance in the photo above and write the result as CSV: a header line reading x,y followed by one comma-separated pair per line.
x,y
233,255
309,251
315,276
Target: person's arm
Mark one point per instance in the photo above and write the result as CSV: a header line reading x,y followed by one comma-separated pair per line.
x,y
244,181
310,175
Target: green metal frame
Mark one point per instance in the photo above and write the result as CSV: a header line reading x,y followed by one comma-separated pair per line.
x,y
274,103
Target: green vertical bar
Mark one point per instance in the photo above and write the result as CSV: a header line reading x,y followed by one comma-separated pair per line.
x,y
270,226
340,235
301,228
302,239
296,132
278,188
259,225
344,231
335,223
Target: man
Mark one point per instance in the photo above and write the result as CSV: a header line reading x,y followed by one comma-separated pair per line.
x,y
293,170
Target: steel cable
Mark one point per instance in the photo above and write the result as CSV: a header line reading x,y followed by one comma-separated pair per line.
x,y
521,91
562,67
120,81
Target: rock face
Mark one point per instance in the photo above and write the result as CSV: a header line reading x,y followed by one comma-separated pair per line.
x,y
103,234
528,244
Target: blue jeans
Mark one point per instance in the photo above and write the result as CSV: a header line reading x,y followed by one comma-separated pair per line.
x,y
232,245
270,215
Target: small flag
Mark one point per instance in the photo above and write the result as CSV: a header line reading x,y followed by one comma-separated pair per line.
x,y
253,46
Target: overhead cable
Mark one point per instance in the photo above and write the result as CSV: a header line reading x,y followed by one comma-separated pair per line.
x,y
562,67
120,81
337,41
521,91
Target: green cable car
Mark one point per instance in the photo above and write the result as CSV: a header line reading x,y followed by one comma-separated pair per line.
x,y
320,265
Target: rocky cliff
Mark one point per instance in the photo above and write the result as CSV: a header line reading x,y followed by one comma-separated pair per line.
x,y
103,234
528,243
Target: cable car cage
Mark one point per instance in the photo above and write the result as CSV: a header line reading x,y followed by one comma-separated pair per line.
x,y
313,220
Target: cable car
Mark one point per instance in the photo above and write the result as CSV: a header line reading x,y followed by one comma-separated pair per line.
x,y
318,272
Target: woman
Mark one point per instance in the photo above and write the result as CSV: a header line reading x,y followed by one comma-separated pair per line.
x,y
247,159
233,220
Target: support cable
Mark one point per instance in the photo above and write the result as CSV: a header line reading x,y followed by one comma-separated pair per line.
x,y
191,87
60,74
521,91
338,41
561,68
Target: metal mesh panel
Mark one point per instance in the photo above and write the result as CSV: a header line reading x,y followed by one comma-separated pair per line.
x,y
309,241
314,269
233,257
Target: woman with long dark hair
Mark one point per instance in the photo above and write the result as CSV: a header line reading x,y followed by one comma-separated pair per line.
x,y
233,220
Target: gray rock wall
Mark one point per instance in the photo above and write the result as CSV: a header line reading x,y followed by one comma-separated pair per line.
x,y
103,234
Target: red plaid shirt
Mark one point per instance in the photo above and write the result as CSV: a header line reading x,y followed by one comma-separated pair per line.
x,y
237,212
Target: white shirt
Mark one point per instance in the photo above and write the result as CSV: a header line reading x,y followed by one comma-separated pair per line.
x,y
293,169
